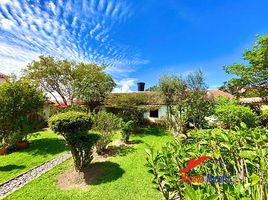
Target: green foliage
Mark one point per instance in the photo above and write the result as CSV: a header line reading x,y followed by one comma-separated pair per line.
x,y
264,117
45,145
70,123
94,86
241,154
123,176
20,104
231,114
128,106
106,124
127,129
55,110
127,99
74,126
252,77
54,76
69,80
186,100
172,89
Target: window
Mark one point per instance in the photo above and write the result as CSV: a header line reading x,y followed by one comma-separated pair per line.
x,y
154,114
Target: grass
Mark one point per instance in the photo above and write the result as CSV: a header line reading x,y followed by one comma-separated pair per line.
x,y
124,176
43,146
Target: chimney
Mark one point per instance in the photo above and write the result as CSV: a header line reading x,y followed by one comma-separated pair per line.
x,y
140,86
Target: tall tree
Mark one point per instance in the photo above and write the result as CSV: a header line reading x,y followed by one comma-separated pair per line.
x,y
186,99
93,85
198,105
172,88
252,78
70,80
55,77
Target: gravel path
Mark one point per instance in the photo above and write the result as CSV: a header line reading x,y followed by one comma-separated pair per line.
x,y
21,180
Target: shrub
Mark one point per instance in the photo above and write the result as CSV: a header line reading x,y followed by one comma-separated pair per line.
x,y
135,114
240,155
74,126
264,117
231,114
106,124
128,106
127,129
62,109
20,104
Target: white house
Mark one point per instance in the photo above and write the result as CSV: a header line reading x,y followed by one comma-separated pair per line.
x,y
161,111
157,108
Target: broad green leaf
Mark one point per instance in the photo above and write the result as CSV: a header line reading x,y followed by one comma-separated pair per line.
x,y
254,179
226,145
213,197
248,154
148,152
190,192
217,154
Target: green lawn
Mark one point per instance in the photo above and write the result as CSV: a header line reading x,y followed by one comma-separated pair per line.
x,y
124,176
43,146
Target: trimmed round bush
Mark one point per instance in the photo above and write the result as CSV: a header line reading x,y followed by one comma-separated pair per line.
x,y
70,122
74,127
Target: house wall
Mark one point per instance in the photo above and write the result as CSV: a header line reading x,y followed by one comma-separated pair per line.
x,y
162,112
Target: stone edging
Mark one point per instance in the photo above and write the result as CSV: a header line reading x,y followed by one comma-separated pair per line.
x,y
15,183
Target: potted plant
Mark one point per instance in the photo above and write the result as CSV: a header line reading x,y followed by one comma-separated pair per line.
x,y
3,147
20,141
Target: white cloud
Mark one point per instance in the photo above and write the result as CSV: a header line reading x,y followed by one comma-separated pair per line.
x,y
3,2
124,85
6,23
13,58
34,29
52,6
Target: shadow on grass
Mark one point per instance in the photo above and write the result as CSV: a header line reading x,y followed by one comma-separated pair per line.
x,y
118,151
109,172
135,142
46,146
11,167
97,173
153,131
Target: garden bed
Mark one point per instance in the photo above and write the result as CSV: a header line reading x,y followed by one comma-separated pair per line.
x,y
123,175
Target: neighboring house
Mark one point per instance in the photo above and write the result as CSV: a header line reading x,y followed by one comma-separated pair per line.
x,y
3,78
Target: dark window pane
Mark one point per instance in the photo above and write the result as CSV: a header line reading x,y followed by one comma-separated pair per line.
x,y
154,114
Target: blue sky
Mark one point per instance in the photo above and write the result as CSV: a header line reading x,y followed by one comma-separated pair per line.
x,y
140,40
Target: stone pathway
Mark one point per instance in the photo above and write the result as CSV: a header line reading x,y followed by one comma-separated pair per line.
x,y
21,180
